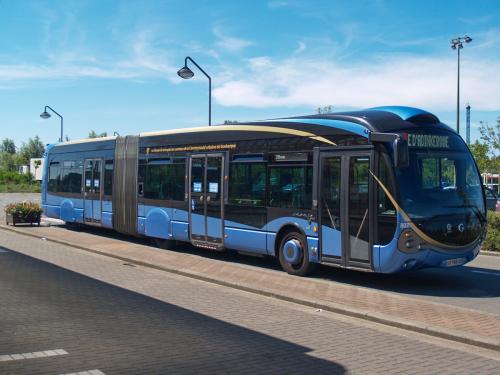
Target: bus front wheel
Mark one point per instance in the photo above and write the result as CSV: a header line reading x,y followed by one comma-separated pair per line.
x,y
293,254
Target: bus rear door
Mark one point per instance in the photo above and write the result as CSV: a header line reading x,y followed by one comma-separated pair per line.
x,y
92,191
344,200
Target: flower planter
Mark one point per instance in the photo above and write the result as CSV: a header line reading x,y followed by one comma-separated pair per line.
x,y
23,213
32,218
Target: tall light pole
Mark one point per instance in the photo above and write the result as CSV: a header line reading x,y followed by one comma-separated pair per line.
x,y
45,115
458,44
187,73
467,124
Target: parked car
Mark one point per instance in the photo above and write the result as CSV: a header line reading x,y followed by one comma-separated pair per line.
x,y
492,200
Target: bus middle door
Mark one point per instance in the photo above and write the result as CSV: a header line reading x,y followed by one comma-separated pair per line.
x,y
206,200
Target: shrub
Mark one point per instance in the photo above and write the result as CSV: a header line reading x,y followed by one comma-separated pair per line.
x,y
492,241
23,209
13,182
8,177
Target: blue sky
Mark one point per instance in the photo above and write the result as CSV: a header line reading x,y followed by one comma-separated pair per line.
x,y
111,65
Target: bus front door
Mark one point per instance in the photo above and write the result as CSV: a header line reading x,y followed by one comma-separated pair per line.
x,y
206,200
92,196
344,201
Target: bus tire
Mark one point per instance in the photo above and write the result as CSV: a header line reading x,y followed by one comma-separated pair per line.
x,y
293,254
165,244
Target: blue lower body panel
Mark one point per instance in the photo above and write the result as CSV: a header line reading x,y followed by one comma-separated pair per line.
x,y
389,259
246,240
52,211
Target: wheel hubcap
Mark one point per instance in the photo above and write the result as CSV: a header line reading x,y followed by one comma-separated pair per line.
x,y
292,251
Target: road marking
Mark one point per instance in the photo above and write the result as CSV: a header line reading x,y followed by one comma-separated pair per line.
x,y
2,250
42,354
487,272
87,372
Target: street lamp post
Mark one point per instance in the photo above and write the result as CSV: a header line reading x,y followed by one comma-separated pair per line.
x,y
458,44
187,73
45,115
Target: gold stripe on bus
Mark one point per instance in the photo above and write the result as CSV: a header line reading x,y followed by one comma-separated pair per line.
x,y
243,128
421,234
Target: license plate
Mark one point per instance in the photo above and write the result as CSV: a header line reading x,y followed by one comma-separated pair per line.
x,y
454,262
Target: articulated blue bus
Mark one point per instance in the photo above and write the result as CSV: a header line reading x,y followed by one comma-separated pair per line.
x,y
387,189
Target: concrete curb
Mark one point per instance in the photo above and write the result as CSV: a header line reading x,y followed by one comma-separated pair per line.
x,y
380,318
490,253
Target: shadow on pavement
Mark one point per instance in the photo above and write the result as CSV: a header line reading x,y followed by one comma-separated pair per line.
x,y
117,330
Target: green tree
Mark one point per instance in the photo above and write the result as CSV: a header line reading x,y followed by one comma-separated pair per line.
x,y
93,134
33,149
8,146
8,161
491,135
480,152
324,110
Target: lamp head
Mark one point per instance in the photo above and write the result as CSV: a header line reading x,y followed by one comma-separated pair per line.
x,y
467,39
45,115
185,73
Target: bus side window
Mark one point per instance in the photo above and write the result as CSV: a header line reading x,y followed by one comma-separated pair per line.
x,y
290,187
247,184
108,177
165,179
71,177
54,177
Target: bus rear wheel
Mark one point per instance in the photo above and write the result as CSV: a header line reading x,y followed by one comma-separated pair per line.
x,y
293,254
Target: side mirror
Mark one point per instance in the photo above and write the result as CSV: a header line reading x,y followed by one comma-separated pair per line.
x,y
401,153
399,147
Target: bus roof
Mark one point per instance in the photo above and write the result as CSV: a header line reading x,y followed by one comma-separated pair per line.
x,y
379,119
383,119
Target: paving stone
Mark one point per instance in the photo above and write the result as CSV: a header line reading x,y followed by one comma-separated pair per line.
x,y
135,320
463,322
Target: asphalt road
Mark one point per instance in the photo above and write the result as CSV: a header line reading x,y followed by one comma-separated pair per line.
x,y
115,318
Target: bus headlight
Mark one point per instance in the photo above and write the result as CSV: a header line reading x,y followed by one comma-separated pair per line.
x,y
409,242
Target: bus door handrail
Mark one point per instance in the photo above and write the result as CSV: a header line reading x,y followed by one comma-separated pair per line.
x,y
360,227
329,213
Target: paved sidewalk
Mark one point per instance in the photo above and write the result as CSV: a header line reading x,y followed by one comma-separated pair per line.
x,y
123,319
455,323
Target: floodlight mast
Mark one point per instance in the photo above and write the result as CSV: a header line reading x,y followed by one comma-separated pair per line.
x,y
458,44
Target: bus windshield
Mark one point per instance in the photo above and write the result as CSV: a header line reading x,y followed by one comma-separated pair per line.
x,y
441,189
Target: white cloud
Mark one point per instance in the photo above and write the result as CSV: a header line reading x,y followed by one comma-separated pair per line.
x,y
148,57
395,43
145,60
281,3
408,80
476,20
229,43
486,40
301,46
